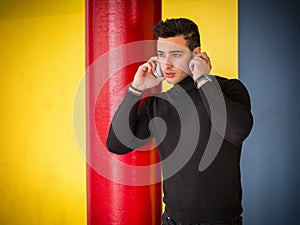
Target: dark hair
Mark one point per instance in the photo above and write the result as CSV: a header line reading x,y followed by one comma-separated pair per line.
x,y
179,26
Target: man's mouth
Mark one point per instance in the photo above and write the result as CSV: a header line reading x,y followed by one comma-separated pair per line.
x,y
169,74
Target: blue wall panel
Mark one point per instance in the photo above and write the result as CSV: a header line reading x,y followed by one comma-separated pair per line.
x,y
269,65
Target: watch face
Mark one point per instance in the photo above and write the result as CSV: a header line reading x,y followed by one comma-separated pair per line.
x,y
208,78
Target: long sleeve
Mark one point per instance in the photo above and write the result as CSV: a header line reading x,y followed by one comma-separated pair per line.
x,y
130,126
234,96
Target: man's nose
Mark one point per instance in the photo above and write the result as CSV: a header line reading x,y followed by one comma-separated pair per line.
x,y
167,62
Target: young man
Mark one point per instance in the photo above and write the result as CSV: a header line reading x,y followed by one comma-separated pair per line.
x,y
205,120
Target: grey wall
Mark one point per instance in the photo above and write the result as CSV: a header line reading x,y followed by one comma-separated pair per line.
x,y
269,65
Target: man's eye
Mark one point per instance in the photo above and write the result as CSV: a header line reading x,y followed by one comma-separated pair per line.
x,y
176,55
161,55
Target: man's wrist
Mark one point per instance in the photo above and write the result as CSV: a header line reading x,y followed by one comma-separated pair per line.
x,y
135,90
201,83
201,80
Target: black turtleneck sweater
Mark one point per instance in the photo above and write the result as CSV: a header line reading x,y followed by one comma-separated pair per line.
x,y
206,125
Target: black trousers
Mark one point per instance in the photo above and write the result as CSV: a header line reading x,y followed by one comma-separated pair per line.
x,y
166,220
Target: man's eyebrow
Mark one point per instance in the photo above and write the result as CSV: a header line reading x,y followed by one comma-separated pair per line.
x,y
176,51
172,52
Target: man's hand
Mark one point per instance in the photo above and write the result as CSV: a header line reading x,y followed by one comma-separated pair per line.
x,y
144,78
199,65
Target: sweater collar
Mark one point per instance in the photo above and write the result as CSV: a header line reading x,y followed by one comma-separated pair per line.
x,y
187,84
181,88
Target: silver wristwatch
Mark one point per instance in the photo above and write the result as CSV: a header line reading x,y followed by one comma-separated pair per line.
x,y
202,77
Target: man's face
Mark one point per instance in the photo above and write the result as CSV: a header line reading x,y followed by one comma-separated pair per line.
x,y
174,57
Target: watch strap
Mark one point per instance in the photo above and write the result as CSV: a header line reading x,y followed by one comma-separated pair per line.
x,y
202,77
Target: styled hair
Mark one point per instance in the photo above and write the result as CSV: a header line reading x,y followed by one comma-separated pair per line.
x,y
179,26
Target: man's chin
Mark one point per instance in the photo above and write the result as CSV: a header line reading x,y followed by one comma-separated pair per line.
x,y
170,81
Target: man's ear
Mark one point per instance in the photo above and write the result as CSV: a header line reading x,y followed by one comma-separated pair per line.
x,y
197,50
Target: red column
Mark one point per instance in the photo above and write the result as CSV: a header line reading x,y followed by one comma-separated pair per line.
x,y
110,25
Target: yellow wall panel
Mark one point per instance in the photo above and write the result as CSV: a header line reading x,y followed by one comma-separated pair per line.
x,y
42,60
